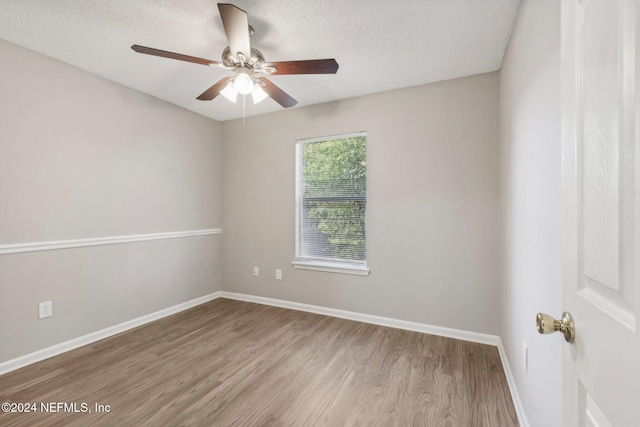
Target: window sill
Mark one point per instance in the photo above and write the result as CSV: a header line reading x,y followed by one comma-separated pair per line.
x,y
330,267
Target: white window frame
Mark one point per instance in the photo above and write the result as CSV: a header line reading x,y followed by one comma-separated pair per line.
x,y
359,268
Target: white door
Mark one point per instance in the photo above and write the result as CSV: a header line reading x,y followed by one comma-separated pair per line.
x,y
601,189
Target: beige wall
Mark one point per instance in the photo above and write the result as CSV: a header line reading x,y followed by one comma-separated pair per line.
x,y
531,205
82,157
433,220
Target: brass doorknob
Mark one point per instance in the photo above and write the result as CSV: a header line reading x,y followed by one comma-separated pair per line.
x,y
548,325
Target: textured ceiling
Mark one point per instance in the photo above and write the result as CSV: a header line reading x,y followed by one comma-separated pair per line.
x,y
380,45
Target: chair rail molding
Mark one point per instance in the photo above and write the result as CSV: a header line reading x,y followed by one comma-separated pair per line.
x,y
98,241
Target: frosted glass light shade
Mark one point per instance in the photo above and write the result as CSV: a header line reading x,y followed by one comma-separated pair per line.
x,y
258,94
230,93
243,84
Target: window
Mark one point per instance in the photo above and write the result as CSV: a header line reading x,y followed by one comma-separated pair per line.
x,y
331,204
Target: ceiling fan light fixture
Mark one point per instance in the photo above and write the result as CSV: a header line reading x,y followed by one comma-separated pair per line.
x,y
258,94
229,92
243,83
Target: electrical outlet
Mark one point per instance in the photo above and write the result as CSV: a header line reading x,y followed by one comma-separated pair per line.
x,y
256,271
45,309
525,357
278,274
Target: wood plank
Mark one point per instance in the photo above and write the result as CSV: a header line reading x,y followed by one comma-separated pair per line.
x,y
234,363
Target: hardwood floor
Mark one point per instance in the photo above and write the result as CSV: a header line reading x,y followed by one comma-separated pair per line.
x,y
233,363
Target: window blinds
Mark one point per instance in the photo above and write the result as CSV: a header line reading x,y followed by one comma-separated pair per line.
x,y
331,199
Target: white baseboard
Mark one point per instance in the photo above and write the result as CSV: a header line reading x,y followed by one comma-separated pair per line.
x,y
511,381
368,318
74,343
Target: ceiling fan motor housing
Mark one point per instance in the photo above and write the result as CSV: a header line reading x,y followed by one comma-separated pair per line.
x,y
255,62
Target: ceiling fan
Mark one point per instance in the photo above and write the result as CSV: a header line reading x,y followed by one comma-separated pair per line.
x,y
247,63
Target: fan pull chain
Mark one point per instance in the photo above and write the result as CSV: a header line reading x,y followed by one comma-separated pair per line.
x,y
244,106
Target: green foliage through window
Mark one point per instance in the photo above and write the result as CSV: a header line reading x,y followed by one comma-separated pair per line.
x,y
332,198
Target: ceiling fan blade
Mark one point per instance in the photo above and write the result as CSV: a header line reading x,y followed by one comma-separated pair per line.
x,y
312,66
236,26
178,56
278,95
214,90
